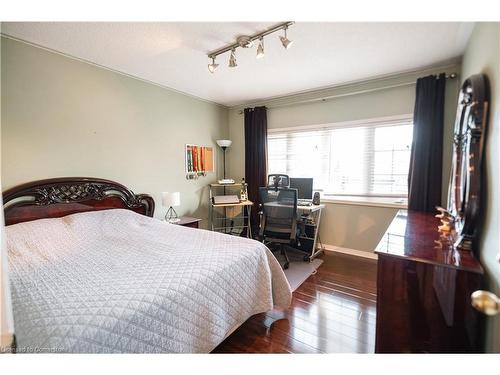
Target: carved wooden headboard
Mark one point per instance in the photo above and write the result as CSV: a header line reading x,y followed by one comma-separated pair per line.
x,y
59,197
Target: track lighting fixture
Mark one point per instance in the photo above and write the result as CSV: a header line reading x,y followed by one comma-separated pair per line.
x,y
287,43
247,41
232,60
213,66
260,48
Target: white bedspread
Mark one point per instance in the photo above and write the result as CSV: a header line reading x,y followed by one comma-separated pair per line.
x,y
116,281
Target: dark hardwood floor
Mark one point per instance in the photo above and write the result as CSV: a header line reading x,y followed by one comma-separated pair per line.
x,y
333,311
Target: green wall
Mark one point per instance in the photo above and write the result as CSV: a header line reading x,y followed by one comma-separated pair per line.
x,y
64,117
350,226
483,56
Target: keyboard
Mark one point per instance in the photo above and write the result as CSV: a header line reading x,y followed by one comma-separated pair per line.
x,y
304,203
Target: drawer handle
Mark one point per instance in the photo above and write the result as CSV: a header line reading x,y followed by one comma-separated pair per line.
x,y
485,302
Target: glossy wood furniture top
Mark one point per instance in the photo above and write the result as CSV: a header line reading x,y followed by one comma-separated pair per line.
x,y
413,235
333,311
59,197
423,291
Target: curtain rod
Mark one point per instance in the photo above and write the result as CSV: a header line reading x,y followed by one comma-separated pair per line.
x,y
357,92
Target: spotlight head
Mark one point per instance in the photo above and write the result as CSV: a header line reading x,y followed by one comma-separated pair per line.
x,y
213,66
287,43
260,49
232,60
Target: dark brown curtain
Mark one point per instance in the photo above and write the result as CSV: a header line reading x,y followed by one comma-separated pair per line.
x,y
425,175
255,157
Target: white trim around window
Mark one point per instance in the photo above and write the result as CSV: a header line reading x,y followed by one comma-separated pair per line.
x,y
408,117
351,200
352,162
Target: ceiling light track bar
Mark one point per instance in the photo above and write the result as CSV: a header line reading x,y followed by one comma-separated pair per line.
x,y
281,26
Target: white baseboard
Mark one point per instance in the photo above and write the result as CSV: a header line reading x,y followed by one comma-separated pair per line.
x,y
353,252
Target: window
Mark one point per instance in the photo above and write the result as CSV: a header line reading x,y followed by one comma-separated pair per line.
x,y
366,158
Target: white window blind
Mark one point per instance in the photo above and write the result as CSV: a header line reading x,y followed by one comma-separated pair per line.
x,y
366,158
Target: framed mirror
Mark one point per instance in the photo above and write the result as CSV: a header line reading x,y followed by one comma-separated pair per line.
x,y
468,144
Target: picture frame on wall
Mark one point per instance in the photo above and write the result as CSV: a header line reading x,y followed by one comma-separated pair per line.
x,y
199,160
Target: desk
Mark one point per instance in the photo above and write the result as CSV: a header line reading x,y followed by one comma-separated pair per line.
x,y
304,209
220,223
314,211
310,239
311,208
239,204
223,227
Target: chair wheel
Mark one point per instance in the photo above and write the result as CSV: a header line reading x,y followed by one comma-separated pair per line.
x,y
286,265
307,258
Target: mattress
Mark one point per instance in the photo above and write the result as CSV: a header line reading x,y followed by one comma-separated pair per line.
x,y
115,281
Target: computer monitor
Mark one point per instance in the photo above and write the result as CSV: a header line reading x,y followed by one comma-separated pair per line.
x,y
304,187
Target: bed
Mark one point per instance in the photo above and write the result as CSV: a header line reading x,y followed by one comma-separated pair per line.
x,y
93,272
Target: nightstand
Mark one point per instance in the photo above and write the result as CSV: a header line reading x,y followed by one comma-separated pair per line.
x,y
187,221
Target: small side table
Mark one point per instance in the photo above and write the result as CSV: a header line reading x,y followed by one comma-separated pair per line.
x,y
187,221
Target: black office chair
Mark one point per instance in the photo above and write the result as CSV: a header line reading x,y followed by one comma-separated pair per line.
x,y
279,218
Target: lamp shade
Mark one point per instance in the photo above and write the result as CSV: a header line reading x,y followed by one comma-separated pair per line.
x,y
171,199
224,142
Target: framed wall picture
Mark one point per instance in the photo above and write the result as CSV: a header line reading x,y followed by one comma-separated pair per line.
x,y
199,161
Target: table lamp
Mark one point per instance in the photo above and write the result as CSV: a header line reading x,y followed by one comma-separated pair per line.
x,y
224,143
171,200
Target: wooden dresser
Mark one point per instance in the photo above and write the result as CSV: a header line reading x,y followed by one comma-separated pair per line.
x,y
423,292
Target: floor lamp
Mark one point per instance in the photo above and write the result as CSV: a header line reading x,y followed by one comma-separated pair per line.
x,y
224,143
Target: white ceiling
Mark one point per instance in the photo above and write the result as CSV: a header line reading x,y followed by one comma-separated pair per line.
x,y
323,54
